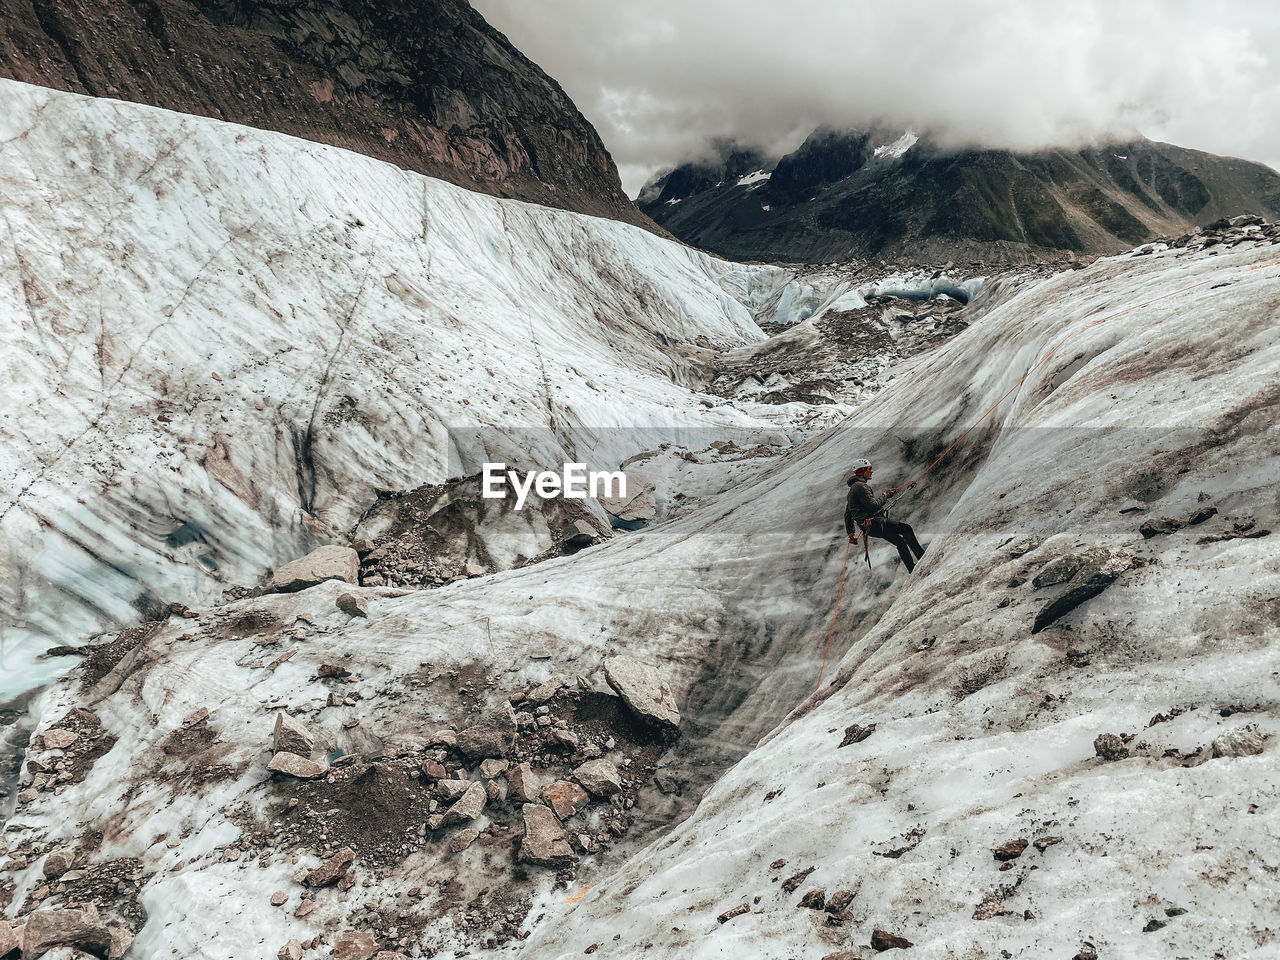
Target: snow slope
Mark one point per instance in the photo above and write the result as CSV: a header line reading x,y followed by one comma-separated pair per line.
x,y
984,730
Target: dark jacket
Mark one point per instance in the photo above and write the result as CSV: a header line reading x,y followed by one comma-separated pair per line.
x,y
862,503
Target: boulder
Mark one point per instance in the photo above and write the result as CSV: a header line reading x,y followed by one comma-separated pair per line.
x,y
599,777
564,738
452,789
544,843
290,951
1162,526
291,736
1241,742
492,737
121,941
642,689
492,767
1009,850
815,899
55,865
332,870
81,928
545,691
59,740
10,936
522,783
355,946
1087,583
434,770
296,766
330,562
638,504
1110,747
1061,569
353,605
566,798
469,807
884,940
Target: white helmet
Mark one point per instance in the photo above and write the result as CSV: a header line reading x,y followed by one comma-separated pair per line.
x,y
860,465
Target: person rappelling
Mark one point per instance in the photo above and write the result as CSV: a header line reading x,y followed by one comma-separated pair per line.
x,y
864,509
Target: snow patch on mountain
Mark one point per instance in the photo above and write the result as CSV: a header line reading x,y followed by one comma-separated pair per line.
x,y
894,150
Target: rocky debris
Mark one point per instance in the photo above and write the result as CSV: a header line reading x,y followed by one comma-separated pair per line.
x,y
121,941
1089,581
991,905
840,900
82,928
600,777
492,767
1110,747
638,504
1010,849
856,734
462,839
278,898
544,843
792,883
290,951
1160,527
296,766
815,899
1241,742
353,605
642,689
55,865
1201,515
331,562
566,798
544,692
492,737
1063,568
1044,843
451,790
332,671
290,736
434,770
354,946
1087,952
10,936
735,912
332,870
884,940
563,738
468,807
523,785
59,739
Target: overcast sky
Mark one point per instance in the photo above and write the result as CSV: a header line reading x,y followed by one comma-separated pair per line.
x,y
659,78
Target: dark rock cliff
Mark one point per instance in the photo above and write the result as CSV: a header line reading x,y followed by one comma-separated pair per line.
x,y
428,86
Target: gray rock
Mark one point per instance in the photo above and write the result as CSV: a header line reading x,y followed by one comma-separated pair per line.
x,y
1241,742
81,928
492,737
638,504
330,562
121,941
492,767
290,951
522,783
55,865
291,736
544,842
453,789
545,691
353,605
1087,583
10,936
1110,747
296,766
469,807
566,798
1061,569
332,870
565,738
642,689
599,777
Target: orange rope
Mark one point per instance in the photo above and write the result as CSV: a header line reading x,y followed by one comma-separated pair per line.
x,y
848,545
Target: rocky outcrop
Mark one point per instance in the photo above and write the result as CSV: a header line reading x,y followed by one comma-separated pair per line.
x,y
429,87
81,928
291,736
330,562
642,689
853,194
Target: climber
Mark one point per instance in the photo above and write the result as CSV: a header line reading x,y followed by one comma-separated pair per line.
x,y
863,509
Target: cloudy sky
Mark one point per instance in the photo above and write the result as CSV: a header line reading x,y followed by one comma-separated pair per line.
x,y
659,78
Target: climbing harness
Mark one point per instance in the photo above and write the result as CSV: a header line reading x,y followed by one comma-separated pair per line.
x,y
973,426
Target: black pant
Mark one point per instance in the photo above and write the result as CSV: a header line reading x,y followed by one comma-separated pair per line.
x,y
900,535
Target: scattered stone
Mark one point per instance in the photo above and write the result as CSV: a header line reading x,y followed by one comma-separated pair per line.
x,y
291,736
121,941
296,766
544,842
1091,580
1044,843
332,870
332,671
453,789
1201,515
278,898
843,955
992,905
1241,742
840,900
600,777
1087,952
735,912
1110,747
55,865
58,739
355,946
494,791
434,821
353,605
290,951
884,940
592,948
468,808
856,734
815,899
10,936
1154,925
493,737
332,562
197,717
792,883
81,928
1160,527
493,767
642,689
434,769
1010,849
462,839
522,783
304,908
566,798
565,738
545,691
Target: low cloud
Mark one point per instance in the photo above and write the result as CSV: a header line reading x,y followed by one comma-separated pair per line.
x,y
661,78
